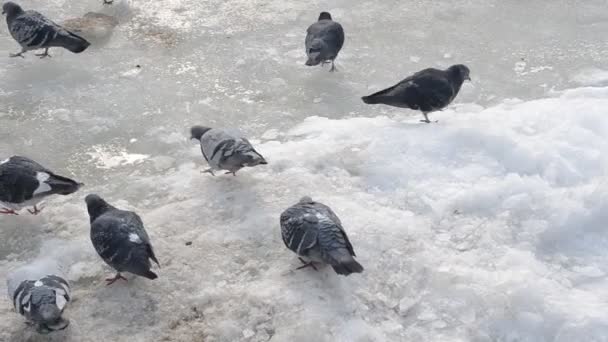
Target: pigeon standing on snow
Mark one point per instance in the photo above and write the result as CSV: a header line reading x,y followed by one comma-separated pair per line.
x,y
313,231
324,39
120,239
39,292
34,31
23,182
428,90
225,150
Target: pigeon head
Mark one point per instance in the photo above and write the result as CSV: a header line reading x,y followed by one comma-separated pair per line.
x,y
324,16
254,159
306,199
44,309
10,9
96,206
459,72
196,132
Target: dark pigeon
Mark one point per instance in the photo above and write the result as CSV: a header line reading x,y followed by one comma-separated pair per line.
x,y
428,90
40,293
324,39
34,31
313,231
120,239
225,150
23,182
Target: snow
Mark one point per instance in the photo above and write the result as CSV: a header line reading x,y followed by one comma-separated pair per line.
x,y
487,226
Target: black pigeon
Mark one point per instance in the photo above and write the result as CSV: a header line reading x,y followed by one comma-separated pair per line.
x,y
34,31
313,231
324,39
120,239
428,90
23,182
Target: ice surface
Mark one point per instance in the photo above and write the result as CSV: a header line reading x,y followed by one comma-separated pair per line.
x,y
488,226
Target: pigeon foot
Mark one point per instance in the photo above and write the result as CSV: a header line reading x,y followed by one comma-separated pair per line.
x,y
209,171
306,264
20,54
8,211
44,54
110,281
36,210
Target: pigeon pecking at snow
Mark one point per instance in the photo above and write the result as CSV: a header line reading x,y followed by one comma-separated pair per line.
x,y
40,293
324,39
225,150
34,31
428,90
120,239
313,231
23,182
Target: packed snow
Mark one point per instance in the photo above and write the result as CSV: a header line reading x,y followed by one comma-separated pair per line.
x,y
489,225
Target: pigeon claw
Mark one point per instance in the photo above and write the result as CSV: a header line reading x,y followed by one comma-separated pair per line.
x,y
110,281
36,210
20,54
44,54
108,2
306,264
209,171
229,172
8,211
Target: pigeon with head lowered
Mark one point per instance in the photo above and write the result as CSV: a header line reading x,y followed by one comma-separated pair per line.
x,y
120,239
313,231
34,31
23,182
428,90
40,293
324,39
225,150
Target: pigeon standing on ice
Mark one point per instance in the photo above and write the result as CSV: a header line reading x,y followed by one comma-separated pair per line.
x,y
428,90
313,231
225,150
324,39
120,239
34,31
39,292
23,182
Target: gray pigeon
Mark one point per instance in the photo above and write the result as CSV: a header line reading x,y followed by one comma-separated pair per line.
x,y
34,31
23,182
120,239
225,150
324,39
428,90
313,231
39,292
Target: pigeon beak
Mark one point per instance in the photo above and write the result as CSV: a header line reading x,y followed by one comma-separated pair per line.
x,y
468,78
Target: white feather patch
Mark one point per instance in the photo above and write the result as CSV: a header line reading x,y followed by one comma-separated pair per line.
x,y
42,177
5,161
134,238
38,283
60,301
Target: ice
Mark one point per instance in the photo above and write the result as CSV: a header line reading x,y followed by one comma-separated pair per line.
x,y
487,226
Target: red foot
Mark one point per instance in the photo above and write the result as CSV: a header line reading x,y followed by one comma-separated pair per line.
x,y
110,281
36,211
8,211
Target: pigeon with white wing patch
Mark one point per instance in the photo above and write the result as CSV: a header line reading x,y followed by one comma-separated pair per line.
x,y
225,150
40,292
23,183
313,231
120,239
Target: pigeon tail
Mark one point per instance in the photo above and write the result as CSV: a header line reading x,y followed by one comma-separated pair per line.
x,y
148,274
344,263
72,42
63,185
370,99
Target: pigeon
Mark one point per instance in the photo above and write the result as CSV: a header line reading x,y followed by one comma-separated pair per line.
x,y
324,39
313,231
120,239
225,150
40,293
34,31
428,90
23,182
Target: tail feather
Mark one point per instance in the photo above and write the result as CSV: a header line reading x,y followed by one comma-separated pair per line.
x,y
345,264
72,42
370,99
148,274
63,185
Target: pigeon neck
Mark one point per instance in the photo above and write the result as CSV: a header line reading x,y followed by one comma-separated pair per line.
x,y
14,13
98,210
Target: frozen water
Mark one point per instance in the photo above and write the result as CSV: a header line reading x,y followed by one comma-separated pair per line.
x,y
488,226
